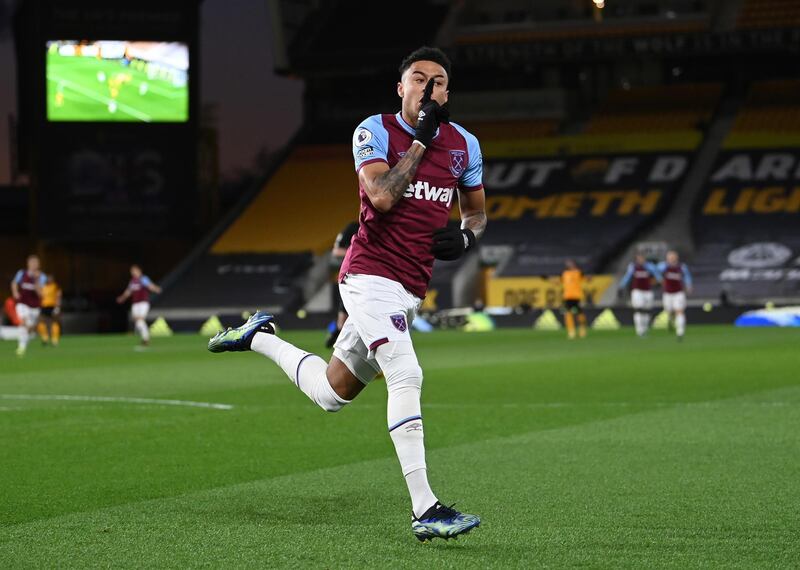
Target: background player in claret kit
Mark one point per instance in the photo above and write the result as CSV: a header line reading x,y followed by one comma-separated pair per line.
x,y
49,326
640,274
26,288
572,282
139,288
677,282
410,166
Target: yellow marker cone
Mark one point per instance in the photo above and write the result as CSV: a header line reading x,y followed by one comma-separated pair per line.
x,y
606,321
661,322
547,322
160,328
479,322
212,326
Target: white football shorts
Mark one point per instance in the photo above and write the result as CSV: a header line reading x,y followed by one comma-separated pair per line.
x,y
28,316
674,301
379,311
139,310
641,299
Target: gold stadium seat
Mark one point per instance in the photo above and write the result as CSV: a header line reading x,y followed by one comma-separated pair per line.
x,y
302,207
771,106
656,108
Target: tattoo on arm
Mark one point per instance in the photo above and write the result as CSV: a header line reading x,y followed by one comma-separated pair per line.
x,y
394,181
476,222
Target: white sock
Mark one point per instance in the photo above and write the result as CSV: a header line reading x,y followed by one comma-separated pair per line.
x,y
645,322
144,332
680,324
422,497
307,371
22,343
404,417
637,322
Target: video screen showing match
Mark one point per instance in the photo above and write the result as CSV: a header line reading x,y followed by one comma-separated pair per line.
x,y
125,81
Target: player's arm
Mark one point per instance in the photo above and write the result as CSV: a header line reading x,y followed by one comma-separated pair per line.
x,y
687,278
39,283
473,211
661,267
15,285
654,271
627,277
152,287
385,186
124,297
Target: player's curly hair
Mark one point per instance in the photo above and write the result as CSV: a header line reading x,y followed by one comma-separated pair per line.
x,y
426,53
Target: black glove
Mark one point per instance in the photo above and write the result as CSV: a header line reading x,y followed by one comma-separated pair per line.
x,y
431,114
451,243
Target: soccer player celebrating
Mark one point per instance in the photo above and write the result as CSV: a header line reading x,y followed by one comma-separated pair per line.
x,y
26,288
49,326
139,288
640,275
572,282
410,166
677,281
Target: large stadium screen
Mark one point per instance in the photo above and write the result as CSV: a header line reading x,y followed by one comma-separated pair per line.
x,y
126,81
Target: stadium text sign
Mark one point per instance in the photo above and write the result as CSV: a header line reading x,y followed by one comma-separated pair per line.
x,y
754,182
593,186
539,292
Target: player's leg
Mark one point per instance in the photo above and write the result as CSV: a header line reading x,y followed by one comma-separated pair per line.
x,y
680,314
331,387
381,310
23,314
400,366
569,319
139,312
42,328
636,304
581,321
647,305
55,330
669,309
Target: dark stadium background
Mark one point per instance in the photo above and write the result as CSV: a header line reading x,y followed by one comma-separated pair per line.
x,y
602,129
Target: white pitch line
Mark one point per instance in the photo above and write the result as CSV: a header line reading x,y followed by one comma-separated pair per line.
x,y
117,399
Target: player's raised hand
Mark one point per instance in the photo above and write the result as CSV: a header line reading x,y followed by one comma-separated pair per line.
x,y
431,114
428,92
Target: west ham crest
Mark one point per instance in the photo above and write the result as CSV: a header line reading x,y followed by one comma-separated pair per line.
x,y
457,162
399,322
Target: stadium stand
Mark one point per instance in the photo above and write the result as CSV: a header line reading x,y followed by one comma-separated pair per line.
x,y
756,14
745,223
656,108
771,106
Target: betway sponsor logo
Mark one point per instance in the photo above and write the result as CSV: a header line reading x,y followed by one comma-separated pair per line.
x,y
424,191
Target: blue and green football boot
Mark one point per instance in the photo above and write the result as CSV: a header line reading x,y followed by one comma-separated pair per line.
x,y
239,339
442,522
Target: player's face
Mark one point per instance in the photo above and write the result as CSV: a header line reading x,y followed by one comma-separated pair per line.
x,y
136,272
33,263
639,259
412,85
672,258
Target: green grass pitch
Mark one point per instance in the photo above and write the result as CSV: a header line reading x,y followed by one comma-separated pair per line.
x,y
78,89
610,452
